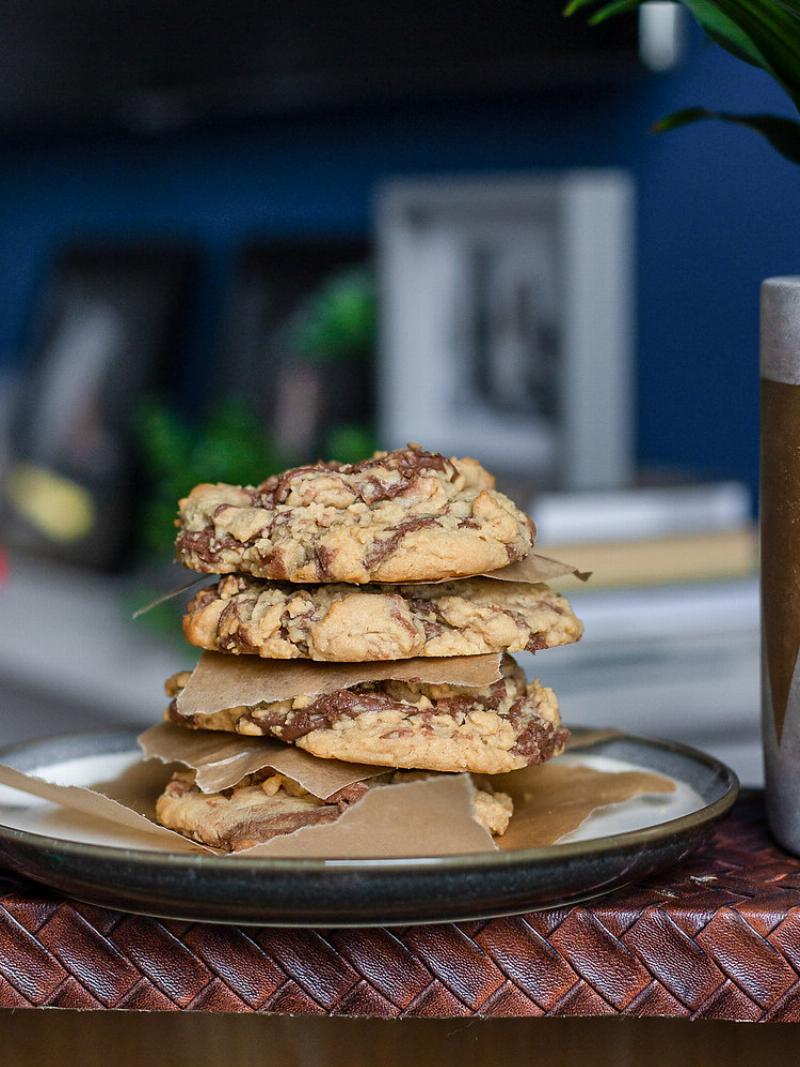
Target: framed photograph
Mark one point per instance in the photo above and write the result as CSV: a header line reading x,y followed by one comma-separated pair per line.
x,y
108,331
507,322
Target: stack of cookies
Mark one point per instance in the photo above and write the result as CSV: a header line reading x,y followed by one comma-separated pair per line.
x,y
384,561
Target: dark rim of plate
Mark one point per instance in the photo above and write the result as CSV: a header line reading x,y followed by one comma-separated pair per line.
x,y
642,837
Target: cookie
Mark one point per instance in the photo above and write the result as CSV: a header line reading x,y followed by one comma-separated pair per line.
x,y
265,805
260,807
340,623
503,727
408,515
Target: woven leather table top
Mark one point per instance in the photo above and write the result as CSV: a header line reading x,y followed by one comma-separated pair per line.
x,y
716,938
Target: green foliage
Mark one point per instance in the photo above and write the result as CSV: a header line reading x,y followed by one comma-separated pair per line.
x,y
350,443
229,447
764,33
782,134
339,322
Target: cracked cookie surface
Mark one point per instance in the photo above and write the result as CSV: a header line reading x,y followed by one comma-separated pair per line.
x,y
503,727
337,623
265,805
407,515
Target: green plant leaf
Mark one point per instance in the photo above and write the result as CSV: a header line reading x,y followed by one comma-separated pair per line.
x,y
616,7
229,446
577,5
759,32
783,134
683,117
774,31
725,31
350,443
764,33
339,321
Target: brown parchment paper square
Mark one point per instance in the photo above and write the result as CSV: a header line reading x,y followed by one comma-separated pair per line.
x,y
222,681
553,800
427,817
221,760
533,569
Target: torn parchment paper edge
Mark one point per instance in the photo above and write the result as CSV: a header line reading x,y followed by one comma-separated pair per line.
x,y
220,760
532,570
220,681
437,819
434,818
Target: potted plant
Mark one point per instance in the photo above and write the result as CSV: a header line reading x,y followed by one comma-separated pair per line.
x,y
764,33
333,334
229,445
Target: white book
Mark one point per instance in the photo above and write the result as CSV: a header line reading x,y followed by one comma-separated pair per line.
x,y
638,514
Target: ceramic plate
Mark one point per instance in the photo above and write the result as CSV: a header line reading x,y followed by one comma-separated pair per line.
x,y
614,847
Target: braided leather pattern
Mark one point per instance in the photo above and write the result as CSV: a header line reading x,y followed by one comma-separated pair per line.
x,y
716,938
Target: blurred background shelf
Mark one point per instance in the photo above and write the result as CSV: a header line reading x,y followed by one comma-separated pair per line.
x,y
700,557
678,661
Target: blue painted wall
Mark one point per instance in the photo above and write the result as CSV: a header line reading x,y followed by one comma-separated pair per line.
x,y
718,211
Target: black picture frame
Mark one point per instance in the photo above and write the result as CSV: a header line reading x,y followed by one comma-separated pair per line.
x,y
107,330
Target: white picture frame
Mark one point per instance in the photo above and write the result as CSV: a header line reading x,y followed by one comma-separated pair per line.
x,y
565,240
